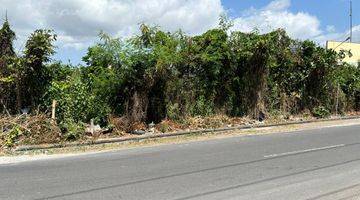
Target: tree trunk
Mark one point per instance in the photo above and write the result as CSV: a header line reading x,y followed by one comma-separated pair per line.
x,y
137,108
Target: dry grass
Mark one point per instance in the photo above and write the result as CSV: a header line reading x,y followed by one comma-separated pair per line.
x,y
26,129
216,121
183,139
39,129
221,121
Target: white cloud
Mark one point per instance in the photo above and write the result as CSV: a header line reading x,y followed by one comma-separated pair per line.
x,y
298,25
278,5
77,22
277,15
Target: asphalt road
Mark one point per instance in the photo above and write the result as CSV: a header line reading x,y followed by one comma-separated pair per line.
x,y
314,164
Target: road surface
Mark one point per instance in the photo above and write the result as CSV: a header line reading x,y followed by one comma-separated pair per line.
x,y
313,164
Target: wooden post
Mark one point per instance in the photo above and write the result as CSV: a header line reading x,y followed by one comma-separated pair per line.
x,y
53,110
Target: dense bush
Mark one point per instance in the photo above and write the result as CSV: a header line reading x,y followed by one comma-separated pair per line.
x,y
321,112
158,75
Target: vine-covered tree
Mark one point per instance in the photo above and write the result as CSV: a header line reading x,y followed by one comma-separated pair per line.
x,y
7,37
34,78
7,54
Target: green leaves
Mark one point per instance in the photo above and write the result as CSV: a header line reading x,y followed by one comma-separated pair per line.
x,y
34,77
7,37
157,75
39,47
7,77
11,137
77,101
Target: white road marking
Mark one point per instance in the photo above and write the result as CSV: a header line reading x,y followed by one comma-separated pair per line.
x,y
304,151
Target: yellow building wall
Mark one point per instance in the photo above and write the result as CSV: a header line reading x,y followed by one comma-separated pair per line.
x,y
354,47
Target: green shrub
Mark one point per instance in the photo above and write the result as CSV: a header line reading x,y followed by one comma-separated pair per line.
x,y
73,131
173,111
202,107
77,103
164,127
321,112
12,136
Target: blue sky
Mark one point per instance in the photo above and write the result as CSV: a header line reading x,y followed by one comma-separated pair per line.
x,y
78,22
329,12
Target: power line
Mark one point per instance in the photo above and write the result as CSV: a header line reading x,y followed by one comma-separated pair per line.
x,y
347,39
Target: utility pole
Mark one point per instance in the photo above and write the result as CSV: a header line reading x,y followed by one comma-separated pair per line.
x,y
351,22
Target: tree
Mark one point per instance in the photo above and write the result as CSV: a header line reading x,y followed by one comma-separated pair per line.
x,y
7,37
251,59
318,64
212,66
34,76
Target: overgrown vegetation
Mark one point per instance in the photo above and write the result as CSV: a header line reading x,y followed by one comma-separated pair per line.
x,y
160,76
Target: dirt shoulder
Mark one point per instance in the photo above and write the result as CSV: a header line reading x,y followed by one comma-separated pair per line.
x,y
15,157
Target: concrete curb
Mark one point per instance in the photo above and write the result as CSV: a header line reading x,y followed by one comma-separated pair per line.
x,y
165,135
